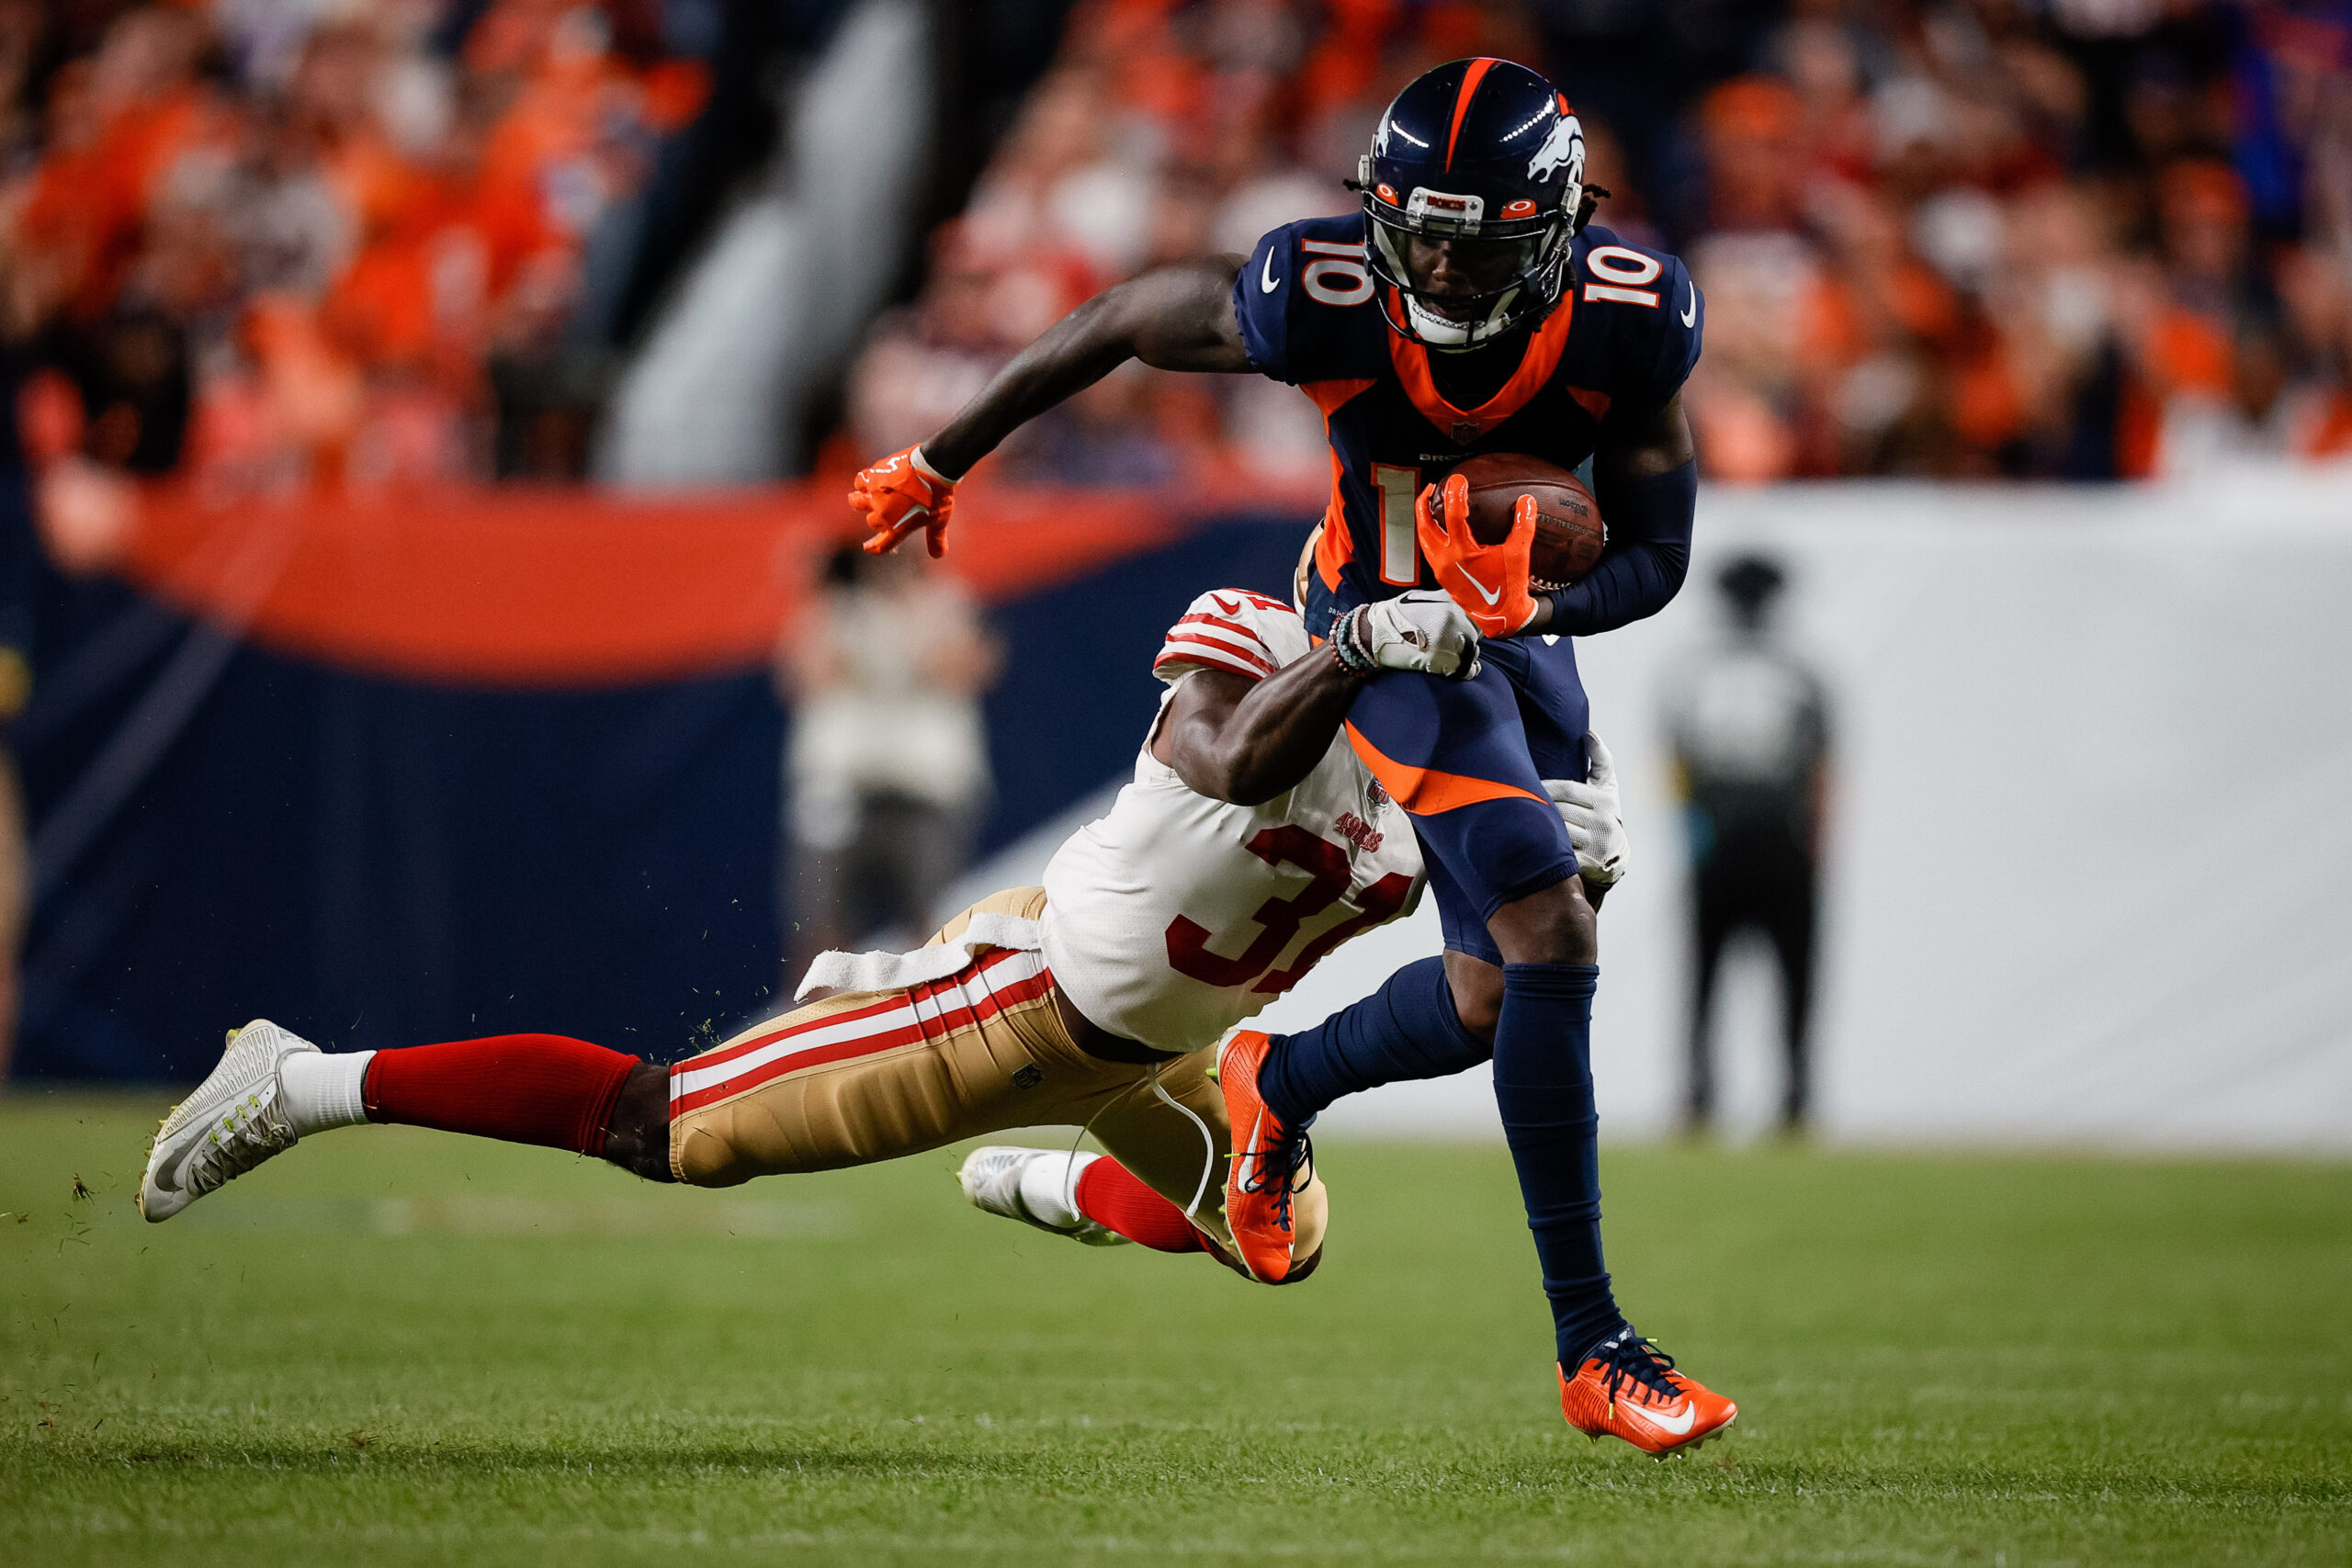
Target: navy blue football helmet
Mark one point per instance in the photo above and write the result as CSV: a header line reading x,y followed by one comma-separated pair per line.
x,y
1474,188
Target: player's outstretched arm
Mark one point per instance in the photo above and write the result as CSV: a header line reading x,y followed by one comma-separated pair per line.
x,y
1645,476
1178,317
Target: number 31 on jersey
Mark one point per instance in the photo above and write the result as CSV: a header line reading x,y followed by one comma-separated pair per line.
x,y
1278,919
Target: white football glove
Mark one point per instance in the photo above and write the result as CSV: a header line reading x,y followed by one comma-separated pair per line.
x,y
1596,820
1423,630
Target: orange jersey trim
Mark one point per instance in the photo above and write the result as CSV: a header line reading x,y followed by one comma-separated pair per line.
x,y
1334,547
1329,396
1535,366
1425,792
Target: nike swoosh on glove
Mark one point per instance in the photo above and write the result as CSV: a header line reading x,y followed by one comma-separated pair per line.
x,y
1489,581
1422,630
901,494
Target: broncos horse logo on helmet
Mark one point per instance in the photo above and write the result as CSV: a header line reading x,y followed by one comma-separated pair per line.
x,y
1477,173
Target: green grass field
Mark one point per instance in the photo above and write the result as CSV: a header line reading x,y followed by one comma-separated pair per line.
x,y
397,1347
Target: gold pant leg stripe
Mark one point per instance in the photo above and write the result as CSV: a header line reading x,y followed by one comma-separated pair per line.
x,y
1002,979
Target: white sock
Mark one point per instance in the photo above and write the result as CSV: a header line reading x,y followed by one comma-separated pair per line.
x,y
1049,1187
322,1090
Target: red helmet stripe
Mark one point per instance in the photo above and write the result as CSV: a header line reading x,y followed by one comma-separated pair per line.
x,y
1470,80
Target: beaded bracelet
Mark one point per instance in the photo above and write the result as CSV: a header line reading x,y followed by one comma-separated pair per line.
x,y
1347,645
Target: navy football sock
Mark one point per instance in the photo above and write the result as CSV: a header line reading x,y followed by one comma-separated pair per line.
x,y
1544,1090
1407,1029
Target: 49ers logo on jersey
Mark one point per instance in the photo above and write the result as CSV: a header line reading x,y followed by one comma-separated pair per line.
x,y
1278,919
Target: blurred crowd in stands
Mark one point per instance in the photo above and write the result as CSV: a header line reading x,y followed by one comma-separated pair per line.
x,y
2084,239
277,244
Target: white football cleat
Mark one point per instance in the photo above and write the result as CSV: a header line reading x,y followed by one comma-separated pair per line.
x,y
231,1123
991,1177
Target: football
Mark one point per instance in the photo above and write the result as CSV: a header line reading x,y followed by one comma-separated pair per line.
x,y
1568,529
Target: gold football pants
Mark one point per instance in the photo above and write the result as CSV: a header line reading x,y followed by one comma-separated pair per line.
x,y
870,1076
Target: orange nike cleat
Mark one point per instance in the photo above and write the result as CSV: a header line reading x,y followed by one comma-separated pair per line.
x,y
901,494
1628,1388
1271,1162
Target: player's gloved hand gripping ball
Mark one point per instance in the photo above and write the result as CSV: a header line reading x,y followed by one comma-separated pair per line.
x,y
1489,581
1421,630
899,494
1595,817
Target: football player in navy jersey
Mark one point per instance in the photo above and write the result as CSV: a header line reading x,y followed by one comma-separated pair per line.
x,y
1470,307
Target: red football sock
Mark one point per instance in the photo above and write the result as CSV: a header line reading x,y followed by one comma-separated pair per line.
x,y
525,1089
1112,1195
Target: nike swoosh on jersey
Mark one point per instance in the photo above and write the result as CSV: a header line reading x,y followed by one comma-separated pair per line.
x,y
1690,311
1272,282
1228,609
1481,587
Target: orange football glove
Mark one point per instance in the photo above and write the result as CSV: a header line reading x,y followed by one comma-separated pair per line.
x,y
899,494
1489,581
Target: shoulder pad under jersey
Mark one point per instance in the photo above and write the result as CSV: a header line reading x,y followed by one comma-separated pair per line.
x,y
1639,312
1307,302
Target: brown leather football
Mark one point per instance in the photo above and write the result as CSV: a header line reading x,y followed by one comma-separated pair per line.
x,y
1568,529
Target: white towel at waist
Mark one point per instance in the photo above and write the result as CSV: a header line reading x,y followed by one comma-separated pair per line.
x,y
897,971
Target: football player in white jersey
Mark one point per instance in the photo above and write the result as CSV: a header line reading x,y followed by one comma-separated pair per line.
x,y
1251,843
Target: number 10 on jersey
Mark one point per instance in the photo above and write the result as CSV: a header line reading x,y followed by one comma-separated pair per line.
x,y
1400,553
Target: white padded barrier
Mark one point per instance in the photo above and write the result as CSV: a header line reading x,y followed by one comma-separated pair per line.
x,y
2089,879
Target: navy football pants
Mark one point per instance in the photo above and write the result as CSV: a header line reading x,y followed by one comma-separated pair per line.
x,y
1467,759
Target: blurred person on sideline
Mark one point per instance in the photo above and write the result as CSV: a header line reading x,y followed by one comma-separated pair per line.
x,y
887,767
1748,722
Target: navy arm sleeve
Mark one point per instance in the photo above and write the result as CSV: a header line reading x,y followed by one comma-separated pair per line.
x,y
1648,519
1648,555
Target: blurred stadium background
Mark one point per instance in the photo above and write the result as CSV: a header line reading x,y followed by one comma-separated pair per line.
x,y
428,413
